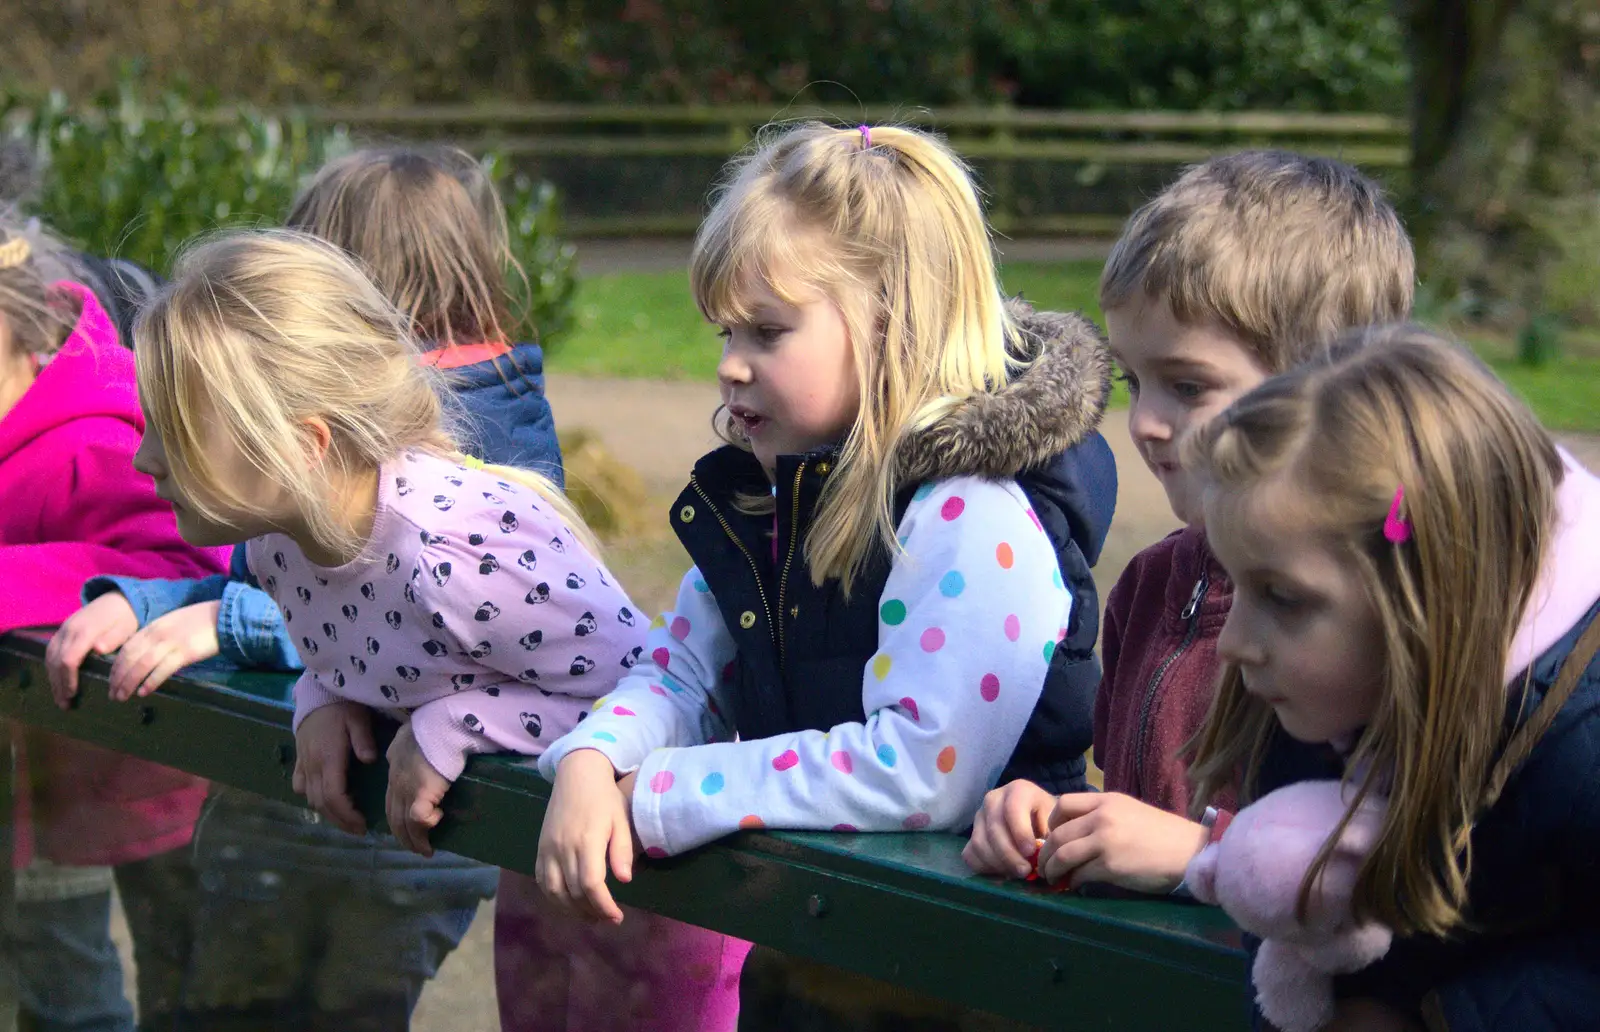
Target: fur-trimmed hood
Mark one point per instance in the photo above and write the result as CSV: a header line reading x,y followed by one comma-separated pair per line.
x,y
1053,404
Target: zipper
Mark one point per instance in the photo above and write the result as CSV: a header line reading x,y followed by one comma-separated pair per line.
x,y
783,578
755,570
1189,614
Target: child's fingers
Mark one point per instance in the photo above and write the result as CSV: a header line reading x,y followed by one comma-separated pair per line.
x,y
167,664
547,872
1073,855
602,904
336,802
620,850
133,664
362,739
62,658
1018,836
394,809
422,817
978,854
1071,807
340,809
586,883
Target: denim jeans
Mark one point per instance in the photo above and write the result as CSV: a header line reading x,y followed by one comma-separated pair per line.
x,y
58,950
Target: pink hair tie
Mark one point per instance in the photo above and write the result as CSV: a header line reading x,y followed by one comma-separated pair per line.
x,y
866,136
1396,530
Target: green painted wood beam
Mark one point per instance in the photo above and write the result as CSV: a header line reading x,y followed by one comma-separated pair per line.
x,y
900,907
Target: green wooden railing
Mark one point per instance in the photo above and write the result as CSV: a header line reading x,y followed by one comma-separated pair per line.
x,y
1004,141
901,907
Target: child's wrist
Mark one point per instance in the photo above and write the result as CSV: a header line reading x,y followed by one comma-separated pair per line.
x,y
588,761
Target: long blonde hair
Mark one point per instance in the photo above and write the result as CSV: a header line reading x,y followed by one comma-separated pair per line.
x,y
261,330
885,222
1383,409
431,230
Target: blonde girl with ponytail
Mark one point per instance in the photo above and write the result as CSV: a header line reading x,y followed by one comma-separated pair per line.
x,y
891,605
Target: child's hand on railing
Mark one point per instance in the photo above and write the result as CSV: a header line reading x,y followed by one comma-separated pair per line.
x,y
416,792
166,645
145,658
102,626
322,747
1114,838
1007,830
587,823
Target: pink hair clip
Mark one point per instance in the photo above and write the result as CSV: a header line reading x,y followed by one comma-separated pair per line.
x,y
866,136
1397,530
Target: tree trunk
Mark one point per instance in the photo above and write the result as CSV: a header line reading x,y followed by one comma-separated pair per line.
x,y
1506,155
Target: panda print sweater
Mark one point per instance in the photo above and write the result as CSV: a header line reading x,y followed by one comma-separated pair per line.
x,y
473,610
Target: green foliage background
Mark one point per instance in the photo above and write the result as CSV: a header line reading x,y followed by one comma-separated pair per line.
x,y
135,178
1224,54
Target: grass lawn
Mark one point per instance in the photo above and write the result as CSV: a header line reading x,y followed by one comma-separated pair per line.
x,y
645,326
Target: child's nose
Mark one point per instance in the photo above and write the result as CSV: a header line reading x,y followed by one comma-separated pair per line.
x,y
1145,423
1235,644
147,459
733,369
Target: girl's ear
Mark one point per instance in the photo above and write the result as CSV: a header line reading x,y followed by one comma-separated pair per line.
x,y
318,438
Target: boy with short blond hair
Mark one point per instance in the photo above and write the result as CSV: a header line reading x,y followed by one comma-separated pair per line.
x,y
1242,268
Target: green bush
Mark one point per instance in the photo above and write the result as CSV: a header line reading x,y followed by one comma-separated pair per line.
x,y
134,178
542,295
1343,55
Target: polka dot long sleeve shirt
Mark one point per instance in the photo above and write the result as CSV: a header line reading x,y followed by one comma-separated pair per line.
x,y
968,621
474,609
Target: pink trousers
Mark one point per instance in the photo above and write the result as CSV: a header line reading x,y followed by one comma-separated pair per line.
x,y
555,972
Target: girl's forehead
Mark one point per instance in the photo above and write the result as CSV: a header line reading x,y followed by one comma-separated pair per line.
x,y
760,293
1264,522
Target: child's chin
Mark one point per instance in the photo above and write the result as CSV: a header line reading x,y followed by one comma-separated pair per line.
x,y
1182,503
206,535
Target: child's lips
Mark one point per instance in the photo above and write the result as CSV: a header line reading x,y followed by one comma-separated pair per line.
x,y
748,421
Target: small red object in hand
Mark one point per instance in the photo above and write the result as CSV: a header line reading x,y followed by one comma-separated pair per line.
x,y
1064,885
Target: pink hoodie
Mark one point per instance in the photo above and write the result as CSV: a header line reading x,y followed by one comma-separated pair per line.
x,y
74,508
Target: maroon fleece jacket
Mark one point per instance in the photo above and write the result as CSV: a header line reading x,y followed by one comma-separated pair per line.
x,y
1159,653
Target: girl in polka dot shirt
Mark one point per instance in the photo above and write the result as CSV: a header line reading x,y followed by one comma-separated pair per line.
x,y
287,408
891,605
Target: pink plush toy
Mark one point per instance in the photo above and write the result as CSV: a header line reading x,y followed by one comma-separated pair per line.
x,y
1254,874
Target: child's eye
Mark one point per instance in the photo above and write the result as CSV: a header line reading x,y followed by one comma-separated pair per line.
x,y
1188,390
724,334
1128,379
1280,599
770,334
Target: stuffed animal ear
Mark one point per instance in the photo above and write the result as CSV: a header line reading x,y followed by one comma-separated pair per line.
x,y
1201,875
